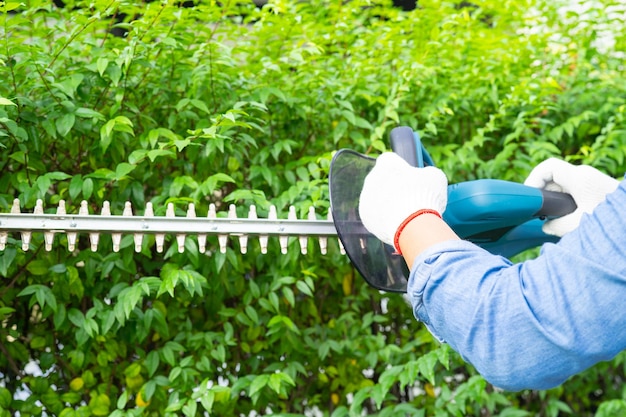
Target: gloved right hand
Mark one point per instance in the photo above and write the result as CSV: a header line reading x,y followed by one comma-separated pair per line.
x,y
587,186
394,190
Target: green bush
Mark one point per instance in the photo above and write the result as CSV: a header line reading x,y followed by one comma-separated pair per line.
x,y
231,103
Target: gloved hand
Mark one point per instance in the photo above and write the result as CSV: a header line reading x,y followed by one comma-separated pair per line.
x,y
587,186
394,190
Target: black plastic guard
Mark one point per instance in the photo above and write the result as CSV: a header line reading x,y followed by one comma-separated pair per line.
x,y
375,261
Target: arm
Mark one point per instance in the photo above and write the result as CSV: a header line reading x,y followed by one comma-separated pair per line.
x,y
529,325
534,324
413,241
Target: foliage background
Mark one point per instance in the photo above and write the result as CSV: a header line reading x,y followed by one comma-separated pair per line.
x,y
233,103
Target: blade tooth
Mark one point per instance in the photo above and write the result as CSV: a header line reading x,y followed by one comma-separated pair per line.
x,y
262,238
201,236
191,213
25,240
106,211
71,241
137,237
284,239
243,239
94,241
273,214
15,208
159,238
341,248
180,238
38,207
251,213
48,237
72,237
4,236
26,235
323,240
212,213
117,237
93,236
60,212
223,239
170,211
303,239
128,209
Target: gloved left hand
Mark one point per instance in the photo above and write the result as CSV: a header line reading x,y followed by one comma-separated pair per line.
x,y
394,190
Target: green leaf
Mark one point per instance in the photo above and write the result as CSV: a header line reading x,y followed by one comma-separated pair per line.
x,y
123,121
102,173
200,105
5,398
304,288
6,102
274,382
38,342
123,169
43,295
87,188
102,63
106,134
212,182
65,123
513,412
6,260
100,404
289,296
207,400
88,113
122,400
137,156
4,311
76,186
258,383
155,153
152,362
190,408
426,365
76,317
59,316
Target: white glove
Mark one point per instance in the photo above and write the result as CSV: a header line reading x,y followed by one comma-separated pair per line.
x,y
587,186
394,190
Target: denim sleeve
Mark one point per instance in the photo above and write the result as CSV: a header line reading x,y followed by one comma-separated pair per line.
x,y
533,324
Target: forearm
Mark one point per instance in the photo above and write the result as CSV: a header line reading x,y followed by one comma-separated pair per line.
x,y
422,233
530,325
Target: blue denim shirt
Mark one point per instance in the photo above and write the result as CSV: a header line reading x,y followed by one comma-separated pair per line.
x,y
530,325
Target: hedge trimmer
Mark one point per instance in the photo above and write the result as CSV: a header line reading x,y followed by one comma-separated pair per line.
x,y
501,216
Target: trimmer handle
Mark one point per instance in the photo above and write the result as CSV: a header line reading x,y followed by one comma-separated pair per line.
x,y
406,143
556,204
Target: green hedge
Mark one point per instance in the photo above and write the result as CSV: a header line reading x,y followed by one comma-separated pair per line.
x,y
232,103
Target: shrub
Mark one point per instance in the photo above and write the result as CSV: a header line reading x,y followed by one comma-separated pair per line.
x,y
235,103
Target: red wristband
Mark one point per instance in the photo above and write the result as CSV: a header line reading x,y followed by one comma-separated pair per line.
x,y
396,239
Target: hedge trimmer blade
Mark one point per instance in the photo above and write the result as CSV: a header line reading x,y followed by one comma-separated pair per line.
x,y
220,225
376,261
